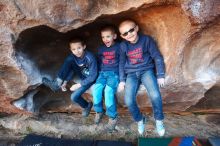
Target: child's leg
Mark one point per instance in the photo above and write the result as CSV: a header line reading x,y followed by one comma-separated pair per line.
x,y
67,69
97,93
59,81
131,88
110,89
110,101
64,74
150,82
76,96
54,85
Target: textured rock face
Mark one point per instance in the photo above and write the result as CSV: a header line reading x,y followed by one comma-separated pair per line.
x,y
34,40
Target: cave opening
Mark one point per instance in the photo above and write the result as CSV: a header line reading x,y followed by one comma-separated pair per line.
x,y
40,52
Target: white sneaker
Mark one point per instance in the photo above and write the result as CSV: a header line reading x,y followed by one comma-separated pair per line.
x,y
141,126
160,127
63,89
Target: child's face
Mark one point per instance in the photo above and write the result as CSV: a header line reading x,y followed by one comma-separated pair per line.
x,y
77,49
108,37
129,32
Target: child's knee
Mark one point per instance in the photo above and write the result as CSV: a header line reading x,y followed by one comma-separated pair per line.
x,y
155,95
97,90
109,90
128,101
98,86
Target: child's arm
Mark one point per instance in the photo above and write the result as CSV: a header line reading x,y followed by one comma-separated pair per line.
x,y
90,78
122,59
69,75
99,58
159,61
92,72
66,71
67,78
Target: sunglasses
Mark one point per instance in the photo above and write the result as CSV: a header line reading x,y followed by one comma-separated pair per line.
x,y
129,31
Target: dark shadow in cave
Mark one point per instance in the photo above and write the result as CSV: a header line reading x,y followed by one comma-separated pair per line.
x,y
211,101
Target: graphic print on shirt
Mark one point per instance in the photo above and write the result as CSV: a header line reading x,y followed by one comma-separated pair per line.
x,y
135,56
108,57
84,69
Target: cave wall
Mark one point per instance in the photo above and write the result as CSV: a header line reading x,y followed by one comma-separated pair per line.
x,y
31,32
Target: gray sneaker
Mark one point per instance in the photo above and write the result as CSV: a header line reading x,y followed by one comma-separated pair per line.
x,y
111,124
86,111
98,117
53,85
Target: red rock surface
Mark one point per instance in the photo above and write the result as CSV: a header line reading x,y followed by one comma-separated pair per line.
x,y
33,38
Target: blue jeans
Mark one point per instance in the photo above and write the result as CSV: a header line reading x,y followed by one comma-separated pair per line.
x,y
107,81
150,82
76,96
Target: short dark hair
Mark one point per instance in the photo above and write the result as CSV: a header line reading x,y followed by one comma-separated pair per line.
x,y
110,27
77,40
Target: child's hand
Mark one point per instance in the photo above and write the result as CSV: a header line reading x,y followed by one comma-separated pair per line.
x,y
121,86
63,87
75,87
161,82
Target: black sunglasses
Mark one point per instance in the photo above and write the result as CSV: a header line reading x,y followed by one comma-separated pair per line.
x,y
129,31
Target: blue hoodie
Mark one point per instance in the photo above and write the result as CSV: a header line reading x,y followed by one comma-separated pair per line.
x,y
86,67
108,58
142,55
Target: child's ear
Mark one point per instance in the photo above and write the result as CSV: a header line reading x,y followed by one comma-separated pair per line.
x,y
115,36
137,28
84,46
122,36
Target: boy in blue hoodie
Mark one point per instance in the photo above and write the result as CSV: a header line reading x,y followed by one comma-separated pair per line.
x,y
138,58
108,79
82,63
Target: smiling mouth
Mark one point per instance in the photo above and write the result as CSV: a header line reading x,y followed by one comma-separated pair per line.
x,y
130,37
107,43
